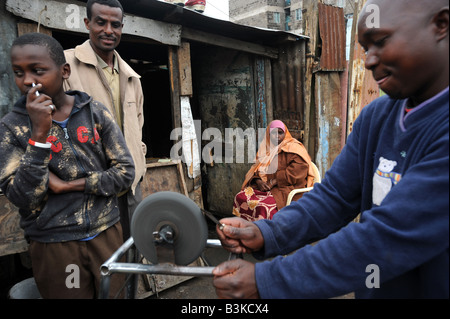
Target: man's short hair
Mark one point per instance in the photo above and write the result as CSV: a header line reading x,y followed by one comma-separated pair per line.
x,y
55,49
109,3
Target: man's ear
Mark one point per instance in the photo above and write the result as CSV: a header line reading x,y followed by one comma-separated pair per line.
x,y
441,22
66,71
86,23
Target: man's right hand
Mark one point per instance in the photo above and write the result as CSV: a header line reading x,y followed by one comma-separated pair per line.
x,y
240,236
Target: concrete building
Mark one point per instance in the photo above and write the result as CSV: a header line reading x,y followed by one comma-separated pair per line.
x,y
283,15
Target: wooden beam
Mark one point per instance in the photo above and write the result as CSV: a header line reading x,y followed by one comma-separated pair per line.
x,y
23,28
185,70
311,20
69,16
269,89
225,42
175,95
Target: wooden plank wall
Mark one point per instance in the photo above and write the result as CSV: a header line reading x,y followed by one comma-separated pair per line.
x,y
12,239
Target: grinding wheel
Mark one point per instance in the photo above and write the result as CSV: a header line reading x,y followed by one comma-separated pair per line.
x,y
180,213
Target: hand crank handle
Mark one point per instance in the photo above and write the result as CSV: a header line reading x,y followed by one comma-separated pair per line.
x,y
234,256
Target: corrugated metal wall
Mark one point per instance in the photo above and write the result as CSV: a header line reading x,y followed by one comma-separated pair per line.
x,y
288,87
325,71
333,39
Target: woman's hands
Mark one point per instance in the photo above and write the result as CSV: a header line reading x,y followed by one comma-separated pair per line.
x,y
263,186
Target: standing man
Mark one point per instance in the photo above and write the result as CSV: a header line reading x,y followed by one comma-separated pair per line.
x,y
99,70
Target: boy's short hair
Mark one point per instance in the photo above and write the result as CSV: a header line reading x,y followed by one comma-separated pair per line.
x,y
55,49
109,3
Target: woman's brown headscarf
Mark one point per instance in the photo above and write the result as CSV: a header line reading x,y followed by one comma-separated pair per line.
x,y
268,151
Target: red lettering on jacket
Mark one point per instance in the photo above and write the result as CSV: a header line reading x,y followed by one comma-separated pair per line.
x,y
97,136
56,147
82,134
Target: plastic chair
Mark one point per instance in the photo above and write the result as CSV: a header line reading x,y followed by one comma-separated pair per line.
x,y
317,179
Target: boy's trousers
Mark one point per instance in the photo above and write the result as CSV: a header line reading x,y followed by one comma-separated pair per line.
x,y
71,270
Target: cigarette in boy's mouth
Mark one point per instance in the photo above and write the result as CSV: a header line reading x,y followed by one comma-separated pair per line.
x,y
37,93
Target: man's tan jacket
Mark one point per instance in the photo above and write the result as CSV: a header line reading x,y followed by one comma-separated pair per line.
x,y
87,76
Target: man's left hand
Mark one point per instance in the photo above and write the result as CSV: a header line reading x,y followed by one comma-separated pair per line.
x,y
235,279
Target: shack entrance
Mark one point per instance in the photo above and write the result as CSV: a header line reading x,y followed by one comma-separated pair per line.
x,y
150,60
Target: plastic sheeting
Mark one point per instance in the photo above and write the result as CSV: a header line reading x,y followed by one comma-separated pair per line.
x,y
191,152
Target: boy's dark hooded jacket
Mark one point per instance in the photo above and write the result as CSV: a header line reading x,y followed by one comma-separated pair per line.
x,y
91,147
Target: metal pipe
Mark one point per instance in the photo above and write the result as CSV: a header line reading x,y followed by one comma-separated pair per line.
x,y
160,269
120,252
213,243
105,279
112,266
105,283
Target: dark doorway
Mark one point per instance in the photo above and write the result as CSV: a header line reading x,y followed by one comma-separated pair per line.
x,y
150,61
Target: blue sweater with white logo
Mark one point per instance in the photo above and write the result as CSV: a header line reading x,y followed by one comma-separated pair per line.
x,y
394,170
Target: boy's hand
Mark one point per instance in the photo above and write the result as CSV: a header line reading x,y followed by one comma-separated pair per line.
x,y
240,236
40,112
55,184
58,186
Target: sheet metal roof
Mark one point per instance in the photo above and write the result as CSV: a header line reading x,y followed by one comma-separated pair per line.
x,y
170,13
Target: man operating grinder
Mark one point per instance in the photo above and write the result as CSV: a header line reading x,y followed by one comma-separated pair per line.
x,y
394,170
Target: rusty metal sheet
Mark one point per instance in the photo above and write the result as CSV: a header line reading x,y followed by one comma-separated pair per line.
x,y
330,115
363,88
332,33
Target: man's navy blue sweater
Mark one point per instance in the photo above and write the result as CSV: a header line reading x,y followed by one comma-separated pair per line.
x,y
394,170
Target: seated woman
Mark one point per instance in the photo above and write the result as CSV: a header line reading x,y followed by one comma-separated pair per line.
x,y
282,164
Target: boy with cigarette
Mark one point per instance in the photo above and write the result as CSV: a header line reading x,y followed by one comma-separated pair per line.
x,y
63,160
